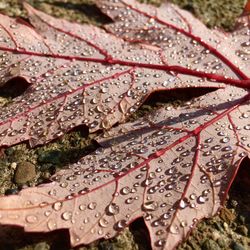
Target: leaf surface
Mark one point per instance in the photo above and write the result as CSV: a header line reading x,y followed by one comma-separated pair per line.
x,y
79,74
172,167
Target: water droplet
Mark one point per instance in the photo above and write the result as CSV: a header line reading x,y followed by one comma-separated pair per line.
x,y
169,187
64,184
182,204
113,209
247,127
125,190
97,215
205,192
13,26
216,147
225,140
183,223
209,140
31,218
121,224
103,222
82,207
47,213
201,200
51,224
174,229
69,197
159,232
92,205
228,148
217,183
57,206
150,206
192,196
67,215
244,115
84,191
100,232
86,220
160,243
243,154
129,200
147,182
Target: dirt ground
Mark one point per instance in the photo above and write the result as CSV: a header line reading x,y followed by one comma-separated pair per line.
x,y
228,230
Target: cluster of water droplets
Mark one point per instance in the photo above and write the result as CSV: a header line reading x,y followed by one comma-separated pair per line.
x,y
192,175
171,164
66,93
183,40
162,167
240,38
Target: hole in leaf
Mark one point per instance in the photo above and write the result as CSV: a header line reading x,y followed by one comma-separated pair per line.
x,y
239,193
58,239
89,10
141,234
173,97
178,95
189,7
242,179
57,154
14,88
69,148
24,21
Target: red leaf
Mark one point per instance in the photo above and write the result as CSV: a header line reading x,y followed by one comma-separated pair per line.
x,y
82,75
173,167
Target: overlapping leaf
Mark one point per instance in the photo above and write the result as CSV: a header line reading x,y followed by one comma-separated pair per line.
x,y
172,167
80,74
184,40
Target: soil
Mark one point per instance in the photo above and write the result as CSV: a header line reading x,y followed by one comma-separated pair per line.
x,y
227,230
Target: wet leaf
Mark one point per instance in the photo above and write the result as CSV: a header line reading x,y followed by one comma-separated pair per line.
x,y
172,167
79,74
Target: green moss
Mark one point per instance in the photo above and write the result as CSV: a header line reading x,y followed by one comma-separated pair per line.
x,y
221,13
82,11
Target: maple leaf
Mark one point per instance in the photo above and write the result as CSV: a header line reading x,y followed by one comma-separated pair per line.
x,y
79,74
172,167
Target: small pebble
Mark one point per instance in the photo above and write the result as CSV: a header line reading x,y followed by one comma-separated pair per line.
x,y
242,230
3,6
25,172
226,227
242,219
13,165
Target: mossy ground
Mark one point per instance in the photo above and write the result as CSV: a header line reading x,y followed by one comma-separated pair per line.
x,y
228,230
